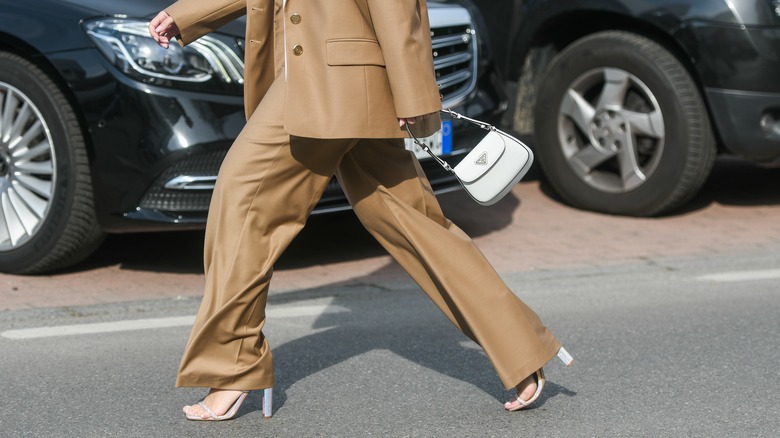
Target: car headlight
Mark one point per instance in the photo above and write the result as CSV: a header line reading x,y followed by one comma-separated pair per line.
x,y
208,64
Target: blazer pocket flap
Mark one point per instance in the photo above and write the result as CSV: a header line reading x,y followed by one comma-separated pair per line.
x,y
354,52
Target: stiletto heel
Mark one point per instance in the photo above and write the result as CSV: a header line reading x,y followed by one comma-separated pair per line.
x,y
565,357
227,416
539,377
268,400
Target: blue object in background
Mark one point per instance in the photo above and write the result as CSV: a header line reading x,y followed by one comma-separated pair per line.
x,y
446,137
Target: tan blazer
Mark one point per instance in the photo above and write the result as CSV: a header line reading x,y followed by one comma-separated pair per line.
x,y
352,66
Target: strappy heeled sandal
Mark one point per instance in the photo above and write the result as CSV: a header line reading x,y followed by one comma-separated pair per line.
x,y
521,404
567,360
267,405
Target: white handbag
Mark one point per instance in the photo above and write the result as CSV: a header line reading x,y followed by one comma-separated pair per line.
x,y
495,165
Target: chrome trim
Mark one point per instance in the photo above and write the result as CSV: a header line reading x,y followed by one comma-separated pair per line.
x,y
191,182
446,81
468,76
450,40
440,15
449,60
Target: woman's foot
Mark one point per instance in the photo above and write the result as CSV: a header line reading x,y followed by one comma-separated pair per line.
x,y
527,392
218,401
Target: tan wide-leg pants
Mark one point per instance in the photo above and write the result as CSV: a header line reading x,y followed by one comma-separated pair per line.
x,y
268,185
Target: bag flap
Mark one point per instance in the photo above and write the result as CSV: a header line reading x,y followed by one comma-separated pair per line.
x,y
482,158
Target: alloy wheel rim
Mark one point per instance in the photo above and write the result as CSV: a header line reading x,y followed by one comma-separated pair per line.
x,y
27,168
611,130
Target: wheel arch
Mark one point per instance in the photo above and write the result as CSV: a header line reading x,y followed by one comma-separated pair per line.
x,y
11,44
547,39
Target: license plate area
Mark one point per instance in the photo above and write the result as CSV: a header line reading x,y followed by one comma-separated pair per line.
x,y
440,143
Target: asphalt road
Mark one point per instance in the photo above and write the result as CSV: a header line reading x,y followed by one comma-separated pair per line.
x,y
661,350
673,323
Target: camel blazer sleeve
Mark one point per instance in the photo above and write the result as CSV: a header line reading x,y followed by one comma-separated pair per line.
x,y
196,18
351,67
403,32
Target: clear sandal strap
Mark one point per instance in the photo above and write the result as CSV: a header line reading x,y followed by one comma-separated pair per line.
x,y
208,410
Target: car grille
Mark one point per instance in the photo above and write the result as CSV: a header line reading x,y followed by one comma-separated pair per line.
x,y
187,185
455,62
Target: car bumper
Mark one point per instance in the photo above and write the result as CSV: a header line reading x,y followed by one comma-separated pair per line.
x,y
155,152
739,67
748,123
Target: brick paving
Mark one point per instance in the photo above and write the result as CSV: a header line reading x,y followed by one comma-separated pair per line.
x,y
737,211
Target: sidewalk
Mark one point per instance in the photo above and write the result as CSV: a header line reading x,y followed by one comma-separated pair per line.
x,y
738,211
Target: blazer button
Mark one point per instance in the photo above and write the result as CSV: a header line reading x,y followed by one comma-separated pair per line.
x,y
297,50
295,18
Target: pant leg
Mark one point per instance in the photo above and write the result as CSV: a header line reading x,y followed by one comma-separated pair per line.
x,y
394,201
268,184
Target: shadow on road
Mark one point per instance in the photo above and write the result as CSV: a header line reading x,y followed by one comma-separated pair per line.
x,y
420,335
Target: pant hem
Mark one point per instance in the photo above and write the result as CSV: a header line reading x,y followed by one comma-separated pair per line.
x,y
223,383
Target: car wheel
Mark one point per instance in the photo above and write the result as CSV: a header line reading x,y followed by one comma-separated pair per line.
x,y
47,217
621,127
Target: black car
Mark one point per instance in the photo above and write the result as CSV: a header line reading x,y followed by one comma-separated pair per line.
x,y
630,101
101,131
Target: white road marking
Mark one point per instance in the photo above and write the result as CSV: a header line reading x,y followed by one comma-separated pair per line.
x,y
144,324
767,274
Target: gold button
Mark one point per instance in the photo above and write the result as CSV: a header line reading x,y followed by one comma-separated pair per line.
x,y
297,50
295,18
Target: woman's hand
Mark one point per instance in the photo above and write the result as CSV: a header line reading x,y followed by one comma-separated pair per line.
x,y
413,120
162,29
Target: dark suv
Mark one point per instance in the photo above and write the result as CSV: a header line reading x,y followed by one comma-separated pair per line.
x,y
102,131
630,101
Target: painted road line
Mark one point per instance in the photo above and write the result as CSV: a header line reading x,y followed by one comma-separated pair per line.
x,y
145,324
768,274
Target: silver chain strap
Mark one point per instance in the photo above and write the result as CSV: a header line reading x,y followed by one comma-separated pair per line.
x,y
454,115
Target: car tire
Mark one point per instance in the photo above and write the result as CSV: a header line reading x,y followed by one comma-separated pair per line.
x,y
47,216
621,127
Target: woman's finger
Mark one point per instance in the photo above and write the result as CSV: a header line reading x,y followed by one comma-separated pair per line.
x,y
160,28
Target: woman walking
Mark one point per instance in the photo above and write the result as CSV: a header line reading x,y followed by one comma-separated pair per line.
x,y
329,87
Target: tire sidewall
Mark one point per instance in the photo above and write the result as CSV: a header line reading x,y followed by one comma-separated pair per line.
x,y
23,78
602,51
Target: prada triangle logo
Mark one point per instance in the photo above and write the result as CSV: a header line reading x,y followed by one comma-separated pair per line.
x,y
482,159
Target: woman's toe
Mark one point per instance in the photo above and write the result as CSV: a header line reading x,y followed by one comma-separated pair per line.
x,y
192,411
